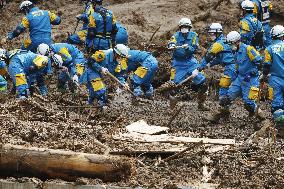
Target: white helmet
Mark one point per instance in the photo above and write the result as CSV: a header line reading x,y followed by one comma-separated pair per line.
x,y
247,5
215,28
185,22
3,54
122,50
277,31
25,4
233,37
57,60
43,49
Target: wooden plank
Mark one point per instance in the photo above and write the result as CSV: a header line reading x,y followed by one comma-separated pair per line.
x,y
136,137
142,127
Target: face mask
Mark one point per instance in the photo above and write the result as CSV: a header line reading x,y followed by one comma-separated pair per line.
x,y
184,30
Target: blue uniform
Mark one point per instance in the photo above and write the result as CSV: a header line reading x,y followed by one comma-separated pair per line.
x,y
38,22
72,58
3,72
249,26
80,36
262,11
95,85
101,30
274,58
144,66
184,62
221,53
247,82
22,67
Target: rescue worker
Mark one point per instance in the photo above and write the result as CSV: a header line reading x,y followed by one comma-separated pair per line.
x,y
221,53
273,65
100,63
246,85
262,11
184,44
101,29
38,22
250,27
73,64
79,38
22,66
3,71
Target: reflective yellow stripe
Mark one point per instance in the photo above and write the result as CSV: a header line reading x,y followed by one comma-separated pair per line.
x,y
92,22
123,64
99,56
65,53
173,39
113,20
267,56
194,39
173,74
216,48
255,9
80,69
20,79
118,68
244,27
253,93
52,16
141,71
97,84
270,93
40,61
27,42
250,50
82,35
25,22
225,81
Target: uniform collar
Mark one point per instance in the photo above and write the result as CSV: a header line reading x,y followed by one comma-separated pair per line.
x,y
34,9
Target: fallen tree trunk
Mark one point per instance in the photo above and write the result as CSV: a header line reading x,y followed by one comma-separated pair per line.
x,y
19,161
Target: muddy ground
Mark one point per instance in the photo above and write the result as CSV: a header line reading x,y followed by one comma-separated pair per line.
x,y
48,123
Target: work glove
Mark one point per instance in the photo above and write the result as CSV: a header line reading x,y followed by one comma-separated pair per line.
x,y
10,35
195,73
75,79
104,70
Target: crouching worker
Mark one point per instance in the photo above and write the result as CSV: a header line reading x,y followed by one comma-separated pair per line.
x,y
73,66
103,62
184,44
246,85
3,71
273,65
23,66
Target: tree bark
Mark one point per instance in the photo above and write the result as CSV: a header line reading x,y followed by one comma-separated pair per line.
x,y
20,161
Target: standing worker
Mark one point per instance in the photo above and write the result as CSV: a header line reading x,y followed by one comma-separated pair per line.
x,y
273,65
38,22
184,44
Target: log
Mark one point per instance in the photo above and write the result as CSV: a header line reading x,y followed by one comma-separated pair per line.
x,y
19,161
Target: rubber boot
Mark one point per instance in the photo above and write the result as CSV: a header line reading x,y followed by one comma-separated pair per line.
x,y
201,102
223,112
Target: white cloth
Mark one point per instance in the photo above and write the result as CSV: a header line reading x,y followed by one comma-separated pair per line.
x,y
195,73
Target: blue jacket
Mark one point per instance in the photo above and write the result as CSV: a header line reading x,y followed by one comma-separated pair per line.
x,y
274,57
249,25
68,52
39,24
136,59
247,60
178,39
218,53
85,16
